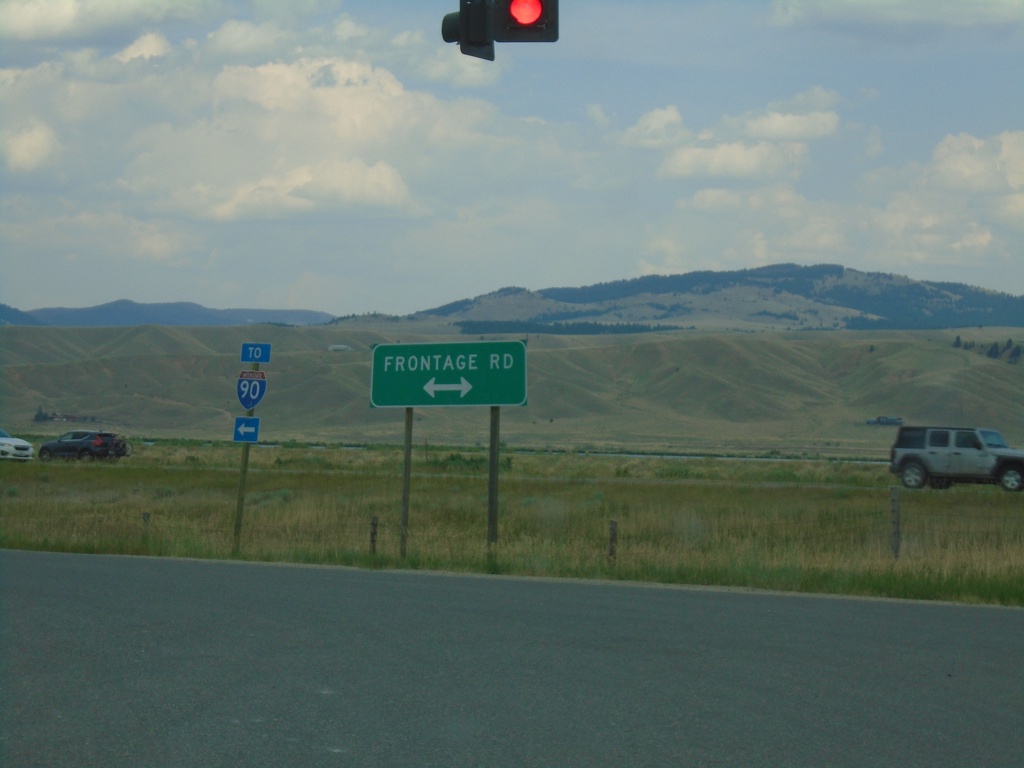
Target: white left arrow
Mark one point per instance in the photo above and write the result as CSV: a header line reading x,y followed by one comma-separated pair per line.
x,y
462,387
245,429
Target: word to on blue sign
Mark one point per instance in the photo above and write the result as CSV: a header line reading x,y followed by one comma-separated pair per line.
x,y
255,353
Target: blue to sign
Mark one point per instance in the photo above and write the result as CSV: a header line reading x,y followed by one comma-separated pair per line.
x,y
255,353
247,429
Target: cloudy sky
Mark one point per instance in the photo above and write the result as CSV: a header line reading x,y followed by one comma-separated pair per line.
x,y
338,155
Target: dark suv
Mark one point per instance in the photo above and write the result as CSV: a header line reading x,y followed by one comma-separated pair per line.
x,y
83,444
940,456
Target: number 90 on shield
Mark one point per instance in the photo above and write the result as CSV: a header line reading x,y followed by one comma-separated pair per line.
x,y
252,385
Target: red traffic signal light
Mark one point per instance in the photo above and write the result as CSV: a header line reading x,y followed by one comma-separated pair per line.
x,y
526,12
525,21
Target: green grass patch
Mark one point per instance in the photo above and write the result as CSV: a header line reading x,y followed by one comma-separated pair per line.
x,y
804,526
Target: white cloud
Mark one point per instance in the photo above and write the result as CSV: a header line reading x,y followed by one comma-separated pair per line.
x,y
307,187
959,210
874,146
149,46
597,116
666,256
346,29
301,136
955,215
777,126
246,38
1011,158
968,164
914,229
658,128
461,71
117,235
954,13
715,200
30,148
358,99
58,19
816,99
1009,211
736,160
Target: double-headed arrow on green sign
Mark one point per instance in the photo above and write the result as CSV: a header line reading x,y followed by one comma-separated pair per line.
x,y
463,373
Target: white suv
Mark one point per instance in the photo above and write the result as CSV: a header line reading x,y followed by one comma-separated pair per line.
x,y
940,456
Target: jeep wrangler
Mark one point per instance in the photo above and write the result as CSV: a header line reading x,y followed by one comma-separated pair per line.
x,y
941,456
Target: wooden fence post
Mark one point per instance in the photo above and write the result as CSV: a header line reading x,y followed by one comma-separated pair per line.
x,y
613,541
895,533
373,535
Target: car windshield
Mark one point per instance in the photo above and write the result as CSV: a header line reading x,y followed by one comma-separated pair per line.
x,y
5,434
993,439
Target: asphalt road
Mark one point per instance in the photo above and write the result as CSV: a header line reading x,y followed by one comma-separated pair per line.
x,y
114,661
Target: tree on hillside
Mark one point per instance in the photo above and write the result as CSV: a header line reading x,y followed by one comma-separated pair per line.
x,y
957,343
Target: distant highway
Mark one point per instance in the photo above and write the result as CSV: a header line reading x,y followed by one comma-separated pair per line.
x,y
116,661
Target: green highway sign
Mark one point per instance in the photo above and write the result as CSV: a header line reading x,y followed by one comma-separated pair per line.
x,y
448,374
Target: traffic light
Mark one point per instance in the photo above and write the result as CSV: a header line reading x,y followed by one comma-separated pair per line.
x,y
480,23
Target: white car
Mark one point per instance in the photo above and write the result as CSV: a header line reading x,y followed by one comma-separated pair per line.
x,y
14,448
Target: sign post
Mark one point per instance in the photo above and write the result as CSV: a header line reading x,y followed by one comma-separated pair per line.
x,y
251,387
485,373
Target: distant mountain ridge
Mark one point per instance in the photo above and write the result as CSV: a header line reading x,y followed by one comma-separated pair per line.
x,y
781,296
776,297
128,313
11,316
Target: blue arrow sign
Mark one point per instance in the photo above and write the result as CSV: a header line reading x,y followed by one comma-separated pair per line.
x,y
252,385
247,429
255,353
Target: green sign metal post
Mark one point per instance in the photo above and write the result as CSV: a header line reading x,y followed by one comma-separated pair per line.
x,y
479,373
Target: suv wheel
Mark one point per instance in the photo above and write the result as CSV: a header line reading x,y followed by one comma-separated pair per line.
x,y
45,454
1012,479
913,475
85,455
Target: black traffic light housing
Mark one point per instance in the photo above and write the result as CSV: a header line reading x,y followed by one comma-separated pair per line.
x,y
478,24
472,27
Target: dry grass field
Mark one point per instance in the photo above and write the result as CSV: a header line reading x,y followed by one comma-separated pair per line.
x,y
798,525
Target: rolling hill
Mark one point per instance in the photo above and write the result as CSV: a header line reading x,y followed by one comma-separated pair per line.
x,y
682,391
778,297
124,312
